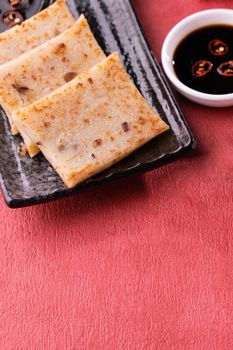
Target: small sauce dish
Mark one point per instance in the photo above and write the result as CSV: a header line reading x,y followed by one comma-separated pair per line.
x,y
179,33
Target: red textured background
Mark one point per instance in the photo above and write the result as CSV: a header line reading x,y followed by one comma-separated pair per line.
x,y
142,263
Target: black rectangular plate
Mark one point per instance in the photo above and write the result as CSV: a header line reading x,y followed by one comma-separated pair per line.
x,y
26,182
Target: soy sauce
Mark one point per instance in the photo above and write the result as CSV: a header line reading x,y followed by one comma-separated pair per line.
x,y
204,60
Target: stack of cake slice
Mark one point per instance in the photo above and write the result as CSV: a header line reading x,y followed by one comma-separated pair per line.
x,y
70,101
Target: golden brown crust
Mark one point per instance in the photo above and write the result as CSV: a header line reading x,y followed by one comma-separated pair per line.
x,y
100,118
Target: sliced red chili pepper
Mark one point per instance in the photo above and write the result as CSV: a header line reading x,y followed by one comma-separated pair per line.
x,y
19,4
201,68
218,47
226,69
14,2
12,18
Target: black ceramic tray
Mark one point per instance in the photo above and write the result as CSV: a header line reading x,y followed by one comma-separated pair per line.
x,y
23,9
25,182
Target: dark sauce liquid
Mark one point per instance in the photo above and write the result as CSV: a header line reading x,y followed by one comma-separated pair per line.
x,y
195,47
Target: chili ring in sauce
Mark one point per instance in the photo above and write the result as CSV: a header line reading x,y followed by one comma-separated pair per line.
x,y
201,68
226,69
218,47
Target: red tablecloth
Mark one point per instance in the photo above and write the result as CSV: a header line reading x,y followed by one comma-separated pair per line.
x,y
142,263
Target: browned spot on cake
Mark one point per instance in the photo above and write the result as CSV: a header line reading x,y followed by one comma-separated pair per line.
x,y
80,175
97,143
142,121
90,45
42,15
37,108
59,49
109,134
86,121
46,124
90,80
69,76
61,147
45,59
98,51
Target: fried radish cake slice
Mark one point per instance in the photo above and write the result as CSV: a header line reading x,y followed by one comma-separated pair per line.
x,y
92,122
